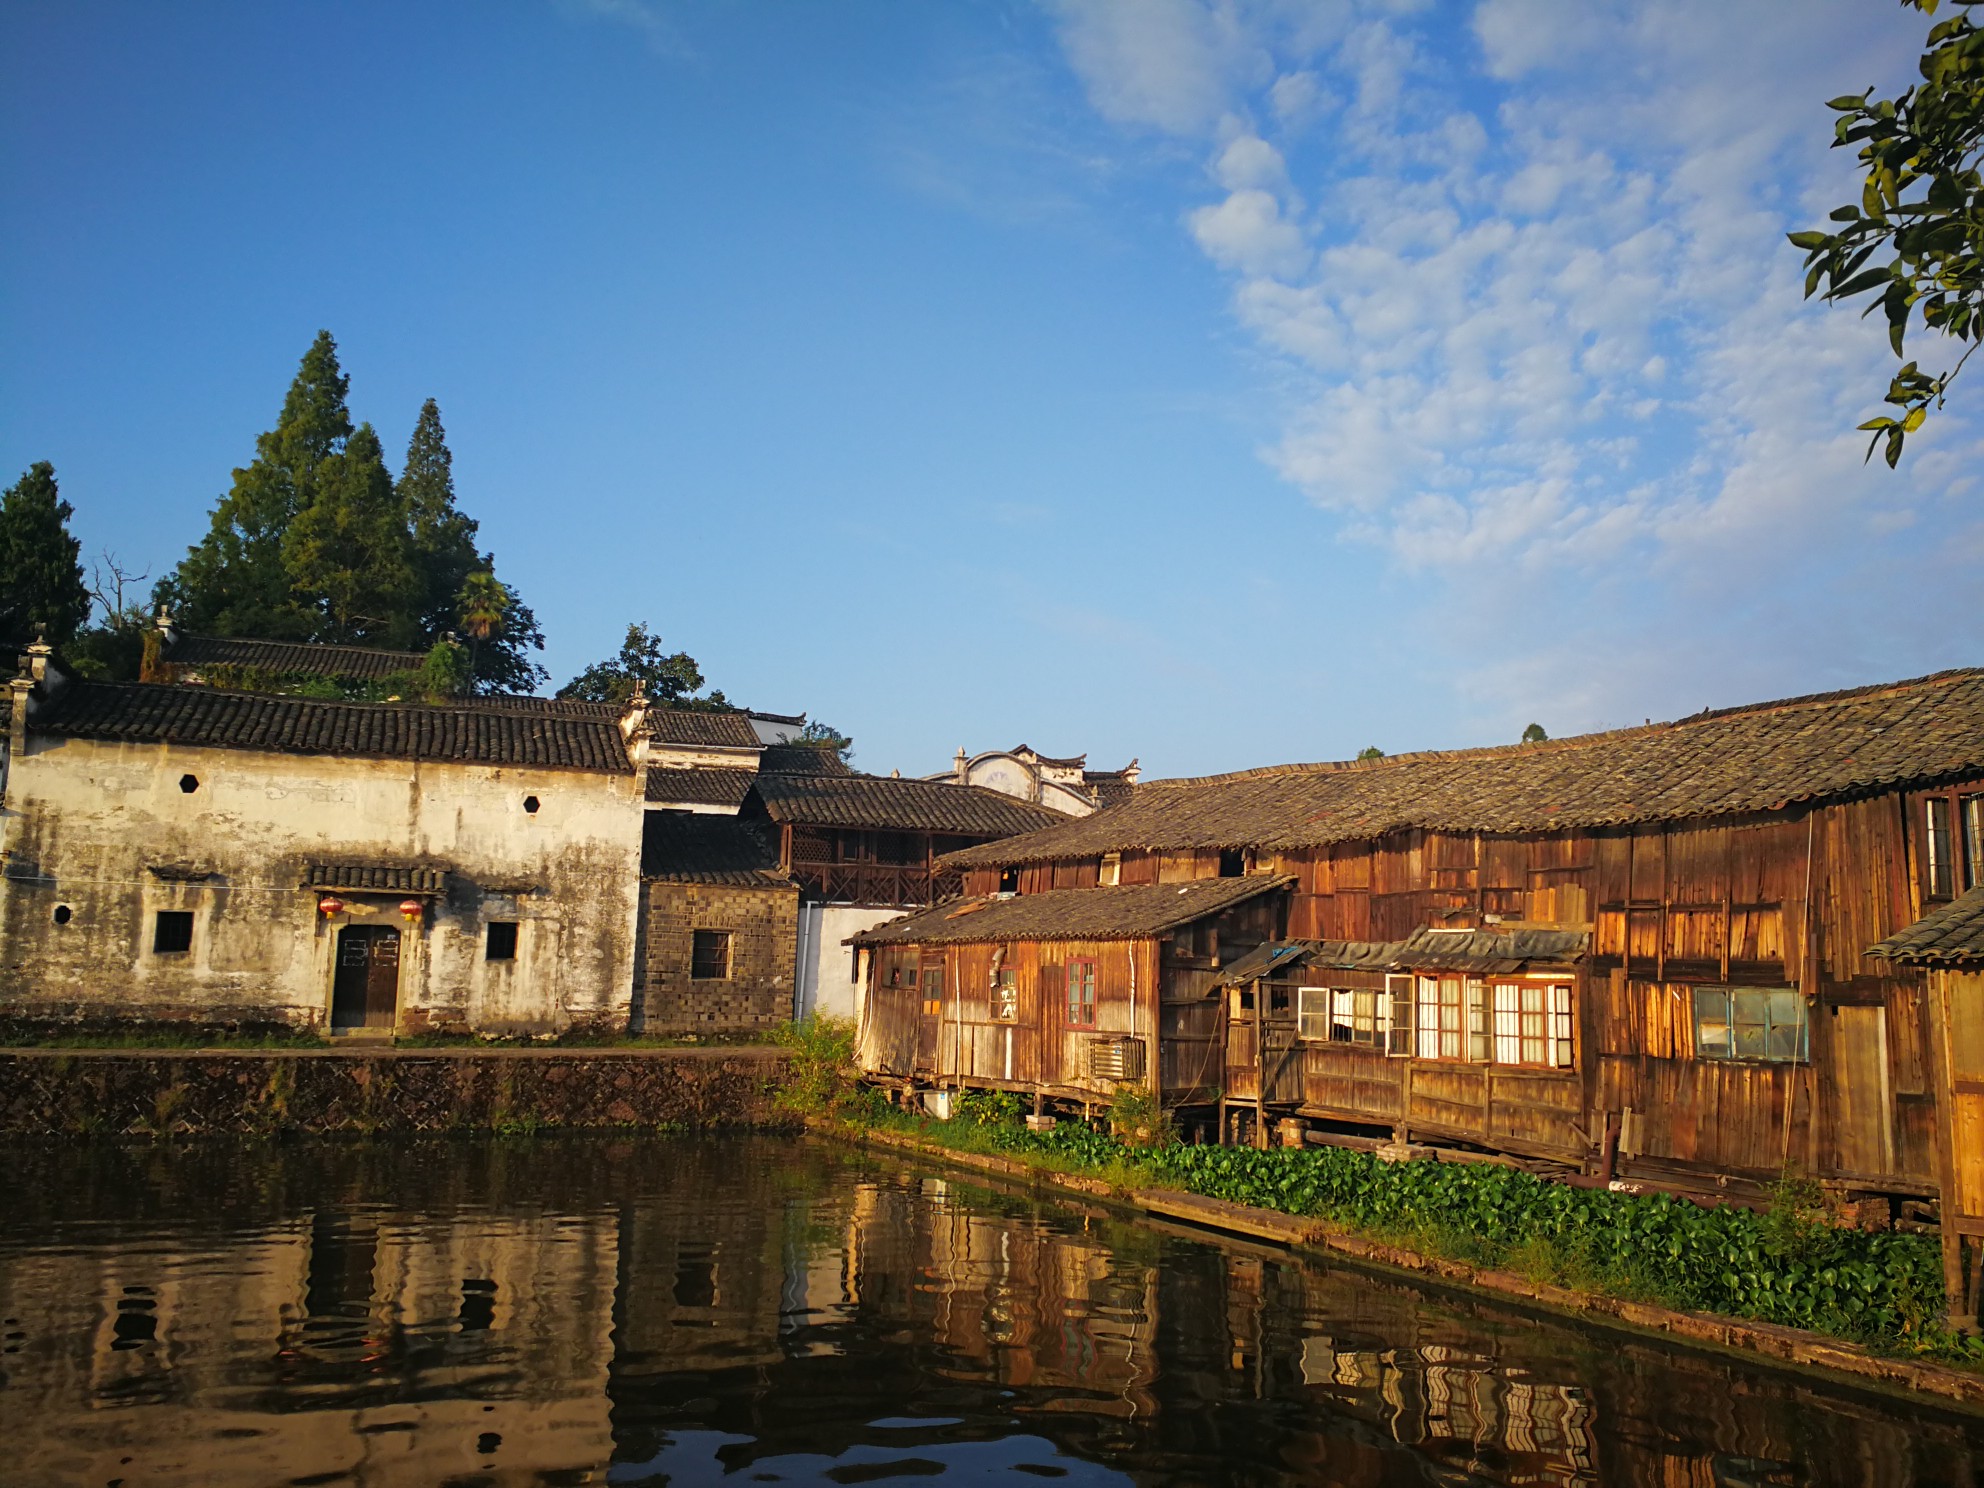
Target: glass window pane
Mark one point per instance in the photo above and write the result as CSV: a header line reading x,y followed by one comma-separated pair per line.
x,y
1713,1036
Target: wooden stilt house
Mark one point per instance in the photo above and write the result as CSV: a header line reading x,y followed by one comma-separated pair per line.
x,y
1068,994
1700,1010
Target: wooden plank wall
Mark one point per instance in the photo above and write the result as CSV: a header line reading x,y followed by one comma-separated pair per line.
x,y
1669,906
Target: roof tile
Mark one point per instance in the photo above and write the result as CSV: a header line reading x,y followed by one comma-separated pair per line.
x,y
1755,758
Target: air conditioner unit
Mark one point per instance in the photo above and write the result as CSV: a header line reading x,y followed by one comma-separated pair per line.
x,y
1115,1059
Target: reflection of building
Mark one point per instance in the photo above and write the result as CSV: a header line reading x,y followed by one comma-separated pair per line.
x,y
1066,785
332,1344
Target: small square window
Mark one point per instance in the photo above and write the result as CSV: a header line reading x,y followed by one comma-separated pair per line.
x,y
501,941
172,932
709,956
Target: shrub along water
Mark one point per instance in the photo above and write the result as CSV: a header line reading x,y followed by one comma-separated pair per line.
x,y
1785,1266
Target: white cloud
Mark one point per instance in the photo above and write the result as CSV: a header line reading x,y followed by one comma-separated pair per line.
x,y
1247,232
1542,321
1163,63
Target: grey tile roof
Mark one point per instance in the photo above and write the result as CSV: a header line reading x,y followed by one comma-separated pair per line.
x,y
683,848
289,658
1954,933
803,759
694,726
471,731
890,804
700,787
377,878
1112,913
1756,758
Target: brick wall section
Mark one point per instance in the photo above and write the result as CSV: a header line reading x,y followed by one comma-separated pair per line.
x,y
764,930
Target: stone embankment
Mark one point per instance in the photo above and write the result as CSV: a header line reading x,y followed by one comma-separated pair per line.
x,y
383,1092
1317,1237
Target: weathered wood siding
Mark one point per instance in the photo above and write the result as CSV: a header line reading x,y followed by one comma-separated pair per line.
x,y
1783,899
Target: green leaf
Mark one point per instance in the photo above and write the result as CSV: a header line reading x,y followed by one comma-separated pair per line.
x,y
1809,239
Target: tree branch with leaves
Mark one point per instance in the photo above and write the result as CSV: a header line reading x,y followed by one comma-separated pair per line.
x,y
1922,204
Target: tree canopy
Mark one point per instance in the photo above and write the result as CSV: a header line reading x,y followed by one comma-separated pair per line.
x,y
664,677
41,575
316,541
1921,206
826,736
1534,734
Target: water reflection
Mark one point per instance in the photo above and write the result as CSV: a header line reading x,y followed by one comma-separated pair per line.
x,y
747,1310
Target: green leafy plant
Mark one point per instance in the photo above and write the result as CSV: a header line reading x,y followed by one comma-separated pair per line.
x,y
988,1107
1138,1119
824,1079
1921,200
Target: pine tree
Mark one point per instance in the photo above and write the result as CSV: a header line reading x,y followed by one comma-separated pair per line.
x,y
346,552
442,537
41,577
457,584
235,581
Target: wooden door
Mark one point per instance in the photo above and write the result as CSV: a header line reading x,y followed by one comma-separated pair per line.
x,y
1862,1108
1243,1066
930,1024
365,992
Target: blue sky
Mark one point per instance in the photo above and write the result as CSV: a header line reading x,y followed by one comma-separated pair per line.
x,y
1218,384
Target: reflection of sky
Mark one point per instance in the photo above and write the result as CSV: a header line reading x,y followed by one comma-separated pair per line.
x,y
694,1459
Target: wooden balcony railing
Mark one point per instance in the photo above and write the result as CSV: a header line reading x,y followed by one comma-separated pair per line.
x,y
875,883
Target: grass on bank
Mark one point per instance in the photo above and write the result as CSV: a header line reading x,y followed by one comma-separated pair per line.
x,y
1789,1265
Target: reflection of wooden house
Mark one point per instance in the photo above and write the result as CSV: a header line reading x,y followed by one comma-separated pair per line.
x,y
1064,993
1721,879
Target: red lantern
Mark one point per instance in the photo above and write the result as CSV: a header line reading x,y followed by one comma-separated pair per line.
x,y
330,905
412,909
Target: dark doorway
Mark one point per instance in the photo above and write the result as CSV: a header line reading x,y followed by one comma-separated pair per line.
x,y
366,991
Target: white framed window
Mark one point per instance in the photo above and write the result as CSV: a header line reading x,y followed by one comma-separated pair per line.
x,y
1112,869
1400,995
1344,1015
1451,1019
1533,1024
1312,1011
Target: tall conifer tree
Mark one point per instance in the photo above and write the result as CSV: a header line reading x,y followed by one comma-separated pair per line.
x,y
347,551
235,581
41,575
442,536
457,584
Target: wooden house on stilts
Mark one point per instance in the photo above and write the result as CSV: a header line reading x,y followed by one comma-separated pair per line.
x,y
1677,956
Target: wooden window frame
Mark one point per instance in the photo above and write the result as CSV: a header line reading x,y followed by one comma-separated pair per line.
x,y
1939,855
1970,837
1401,991
1075,985
696,959
1762,1006
1005,995
930,987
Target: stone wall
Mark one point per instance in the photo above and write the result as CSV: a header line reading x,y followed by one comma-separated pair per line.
x,y
757,995
387,1093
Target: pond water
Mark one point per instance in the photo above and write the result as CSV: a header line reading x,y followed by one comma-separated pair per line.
x,y
702,1311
